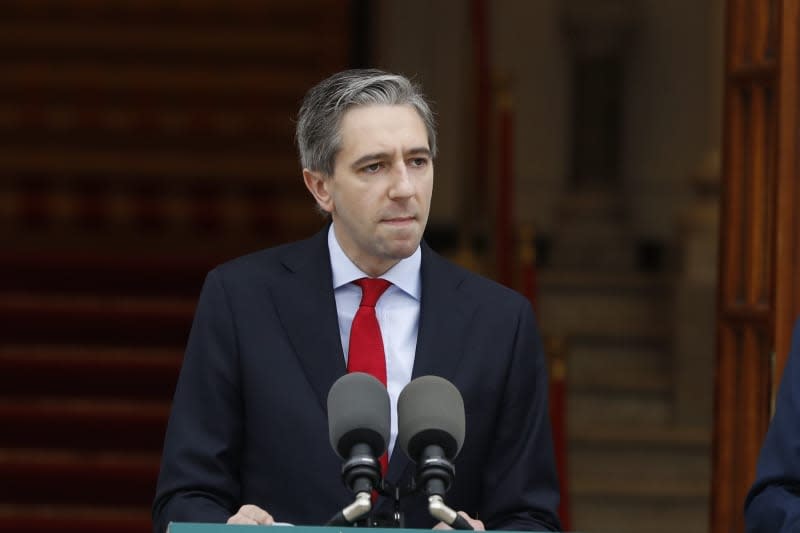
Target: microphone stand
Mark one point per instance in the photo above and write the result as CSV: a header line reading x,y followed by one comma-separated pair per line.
x,y
353,512
362,505
439,510
435,473
361,473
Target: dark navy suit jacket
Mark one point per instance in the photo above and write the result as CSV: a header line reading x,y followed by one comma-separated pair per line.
x,y
773,504
249,421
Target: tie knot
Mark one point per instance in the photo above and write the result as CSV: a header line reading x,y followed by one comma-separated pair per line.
x,y
371,290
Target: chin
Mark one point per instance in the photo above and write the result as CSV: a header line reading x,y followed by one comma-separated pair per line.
x,y
401,252
399,245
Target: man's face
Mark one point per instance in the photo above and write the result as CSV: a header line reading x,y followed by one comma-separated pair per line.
x,y
380,193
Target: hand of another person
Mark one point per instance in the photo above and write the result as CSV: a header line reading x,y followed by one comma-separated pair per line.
x,y
476,524
251,515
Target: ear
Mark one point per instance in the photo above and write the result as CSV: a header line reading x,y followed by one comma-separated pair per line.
x,y
317,184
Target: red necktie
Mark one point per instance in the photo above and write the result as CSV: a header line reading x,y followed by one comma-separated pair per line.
x,y
366,344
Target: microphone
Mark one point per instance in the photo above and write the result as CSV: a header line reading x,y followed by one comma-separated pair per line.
x,y
358,424
431,421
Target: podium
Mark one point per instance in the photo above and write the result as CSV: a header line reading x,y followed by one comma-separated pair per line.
x,y
185,527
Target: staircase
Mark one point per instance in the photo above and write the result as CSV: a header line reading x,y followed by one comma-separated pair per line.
x,y
634,465
141,143
88,362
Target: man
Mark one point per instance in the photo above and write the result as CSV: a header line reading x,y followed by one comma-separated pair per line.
x,y
773,504
247,440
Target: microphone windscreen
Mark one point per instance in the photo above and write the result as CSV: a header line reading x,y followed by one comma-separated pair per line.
x,y
358,413
430,410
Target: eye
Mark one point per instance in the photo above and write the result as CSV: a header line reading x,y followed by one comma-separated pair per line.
x,y
372,168
419,161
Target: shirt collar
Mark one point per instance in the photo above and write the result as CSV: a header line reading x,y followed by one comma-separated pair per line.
x,y
405,275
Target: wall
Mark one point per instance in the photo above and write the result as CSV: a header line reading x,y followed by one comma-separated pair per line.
x,y
671,112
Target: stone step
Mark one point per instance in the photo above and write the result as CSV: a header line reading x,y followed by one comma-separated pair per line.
x,y
616,330
590,282
72,319
618,380
162,42
635,358
618,385
142,373
639,479
647,407
179,165
103,273
672,437
645,457
638,493
604,305
670,509
34,476
85,424
39,518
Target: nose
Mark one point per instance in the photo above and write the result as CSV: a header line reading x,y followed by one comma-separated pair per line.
x,y
402,185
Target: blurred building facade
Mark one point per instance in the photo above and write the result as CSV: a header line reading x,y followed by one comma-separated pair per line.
x,y
145,141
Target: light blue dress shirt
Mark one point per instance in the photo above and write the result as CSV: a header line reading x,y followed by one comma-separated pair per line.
x,y
397,311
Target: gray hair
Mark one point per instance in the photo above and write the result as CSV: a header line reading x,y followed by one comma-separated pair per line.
x,y
318,136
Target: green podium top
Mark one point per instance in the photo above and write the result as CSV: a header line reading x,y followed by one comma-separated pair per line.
x,y
183,527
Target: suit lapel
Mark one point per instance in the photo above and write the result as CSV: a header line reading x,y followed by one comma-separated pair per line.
x,y
444,312
307,310
443,316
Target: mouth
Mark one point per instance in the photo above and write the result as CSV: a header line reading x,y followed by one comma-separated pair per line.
x,y
399,221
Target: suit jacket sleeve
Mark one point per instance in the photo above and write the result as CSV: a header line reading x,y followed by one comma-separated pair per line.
x,y
521,486
773,504
198,480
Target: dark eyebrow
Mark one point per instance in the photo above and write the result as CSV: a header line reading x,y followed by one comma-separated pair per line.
x,y
423,150
369,157
377,156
